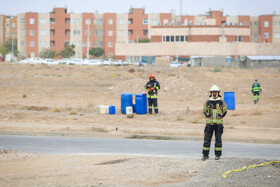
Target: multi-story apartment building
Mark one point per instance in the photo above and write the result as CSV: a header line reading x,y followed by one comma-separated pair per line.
x,y
8,28
36,31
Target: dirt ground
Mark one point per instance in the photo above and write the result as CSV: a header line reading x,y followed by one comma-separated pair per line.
x,y
61,99
64,99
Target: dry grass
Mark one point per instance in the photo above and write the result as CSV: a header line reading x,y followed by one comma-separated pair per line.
x,y
99,130
72,112
57,109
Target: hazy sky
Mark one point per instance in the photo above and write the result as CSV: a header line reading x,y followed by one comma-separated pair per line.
x,y
191,7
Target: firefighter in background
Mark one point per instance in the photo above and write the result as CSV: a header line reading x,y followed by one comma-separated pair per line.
x,y
214,110
256,90
152,88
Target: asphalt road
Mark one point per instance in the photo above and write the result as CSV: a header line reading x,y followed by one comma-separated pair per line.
x,y
169,148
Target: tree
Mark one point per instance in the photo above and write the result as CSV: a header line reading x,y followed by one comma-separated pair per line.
x,y
68,52
8,45
3,50
47,53
143,40
96,52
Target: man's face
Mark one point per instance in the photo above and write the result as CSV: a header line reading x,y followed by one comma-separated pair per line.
x,y
214,93
151,78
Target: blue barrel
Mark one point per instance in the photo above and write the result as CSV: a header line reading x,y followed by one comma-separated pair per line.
x,y
112,109
126,100
141,103
229,98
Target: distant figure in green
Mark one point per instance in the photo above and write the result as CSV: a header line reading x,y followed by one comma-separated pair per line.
x,y
256,90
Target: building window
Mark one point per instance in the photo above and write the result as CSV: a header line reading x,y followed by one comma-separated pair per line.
x,y
32,54
172,38
31,21
110,21
43,21
239,38
145,32
43,43
130,32
67,43
177,38
22,20
182,38
52,32
121,21
277,23
52,43
130,21
67,32
266,35
23,32
101,33
67,21
110,33
31,32
163,38
101,44
77,21
110,44
7,34
87,32
101,21
77,44
121,32
154,22
256,23
167,38
88,21
277,35
130,41
76,32
13,25
165,22
52,20
95,44
43,32
95,32
145,21
31,43
95,21
22,43
266,24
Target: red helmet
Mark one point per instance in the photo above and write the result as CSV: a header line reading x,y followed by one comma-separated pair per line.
x,y
152,76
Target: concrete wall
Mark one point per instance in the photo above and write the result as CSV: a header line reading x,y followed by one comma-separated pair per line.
x,y
197,48
122,28
2,25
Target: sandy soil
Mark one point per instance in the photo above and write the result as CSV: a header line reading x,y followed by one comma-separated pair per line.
x,y
64,99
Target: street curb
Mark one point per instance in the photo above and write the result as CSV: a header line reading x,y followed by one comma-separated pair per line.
x,y
135,136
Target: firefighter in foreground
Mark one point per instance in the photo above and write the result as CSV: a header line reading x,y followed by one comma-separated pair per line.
x,y
152,88
256,90
214,110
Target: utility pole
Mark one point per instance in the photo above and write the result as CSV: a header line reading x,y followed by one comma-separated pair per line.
x,y
12,57
88,22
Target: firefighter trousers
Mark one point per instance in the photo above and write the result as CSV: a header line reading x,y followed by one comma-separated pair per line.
x,y
151,103
208,133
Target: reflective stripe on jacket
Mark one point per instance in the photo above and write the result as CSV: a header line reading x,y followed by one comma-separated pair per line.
x,y
214,110
256,87
152,93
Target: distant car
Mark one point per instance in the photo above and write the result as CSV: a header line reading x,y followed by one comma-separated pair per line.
x,y
94,63
34,60
176,64
117,63
77,61
64,60
2,59
108,62
50,61
127,63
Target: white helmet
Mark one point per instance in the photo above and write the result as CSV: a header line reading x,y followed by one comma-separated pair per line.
x,y
215,88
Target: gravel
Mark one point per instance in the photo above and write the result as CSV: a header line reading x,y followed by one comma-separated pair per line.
x,y
210,173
